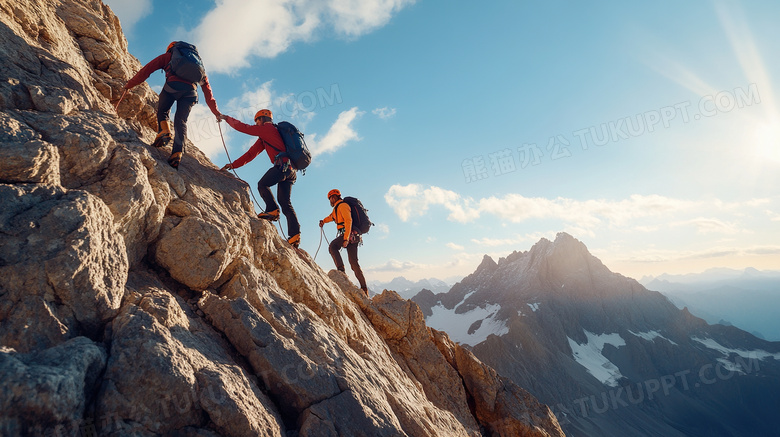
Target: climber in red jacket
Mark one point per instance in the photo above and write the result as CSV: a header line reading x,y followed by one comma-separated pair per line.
x,y
181,79
282,174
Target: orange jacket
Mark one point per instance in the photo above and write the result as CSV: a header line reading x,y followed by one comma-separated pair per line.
x,y
342,215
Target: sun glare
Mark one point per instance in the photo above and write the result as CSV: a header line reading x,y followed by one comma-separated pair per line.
x,y
766,141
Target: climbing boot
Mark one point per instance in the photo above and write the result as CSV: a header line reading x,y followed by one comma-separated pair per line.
x,y
295,240
270,216
163,134
175,159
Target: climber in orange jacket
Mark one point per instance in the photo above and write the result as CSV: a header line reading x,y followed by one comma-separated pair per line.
x,y
282,174
181,90
348,237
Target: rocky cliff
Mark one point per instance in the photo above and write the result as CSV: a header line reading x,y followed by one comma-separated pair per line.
x,y
140,300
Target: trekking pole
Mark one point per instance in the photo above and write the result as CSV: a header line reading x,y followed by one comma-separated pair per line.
x,y
116,107
219,125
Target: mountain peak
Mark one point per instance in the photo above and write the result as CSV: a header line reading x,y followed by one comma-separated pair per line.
x,y
564,241
563,257
486,264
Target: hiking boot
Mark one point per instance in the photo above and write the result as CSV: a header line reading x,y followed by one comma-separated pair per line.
x,y
295,240
270,216
163,135
175,160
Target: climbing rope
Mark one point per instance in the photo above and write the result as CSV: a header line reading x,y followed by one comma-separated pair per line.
x,y
322,234
116,107
219,125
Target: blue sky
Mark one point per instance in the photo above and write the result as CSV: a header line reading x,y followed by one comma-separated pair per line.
x,y
650,132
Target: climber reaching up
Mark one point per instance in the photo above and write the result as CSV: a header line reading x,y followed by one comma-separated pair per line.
x,y
282,174
183,72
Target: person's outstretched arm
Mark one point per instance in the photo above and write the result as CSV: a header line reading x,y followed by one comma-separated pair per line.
x,y
144,73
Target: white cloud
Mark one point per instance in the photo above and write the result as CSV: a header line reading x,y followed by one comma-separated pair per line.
x,y
384,113
285,106
339,134
707,225
203,131
454,246
237,30
413,200
580,217
130,11
653,255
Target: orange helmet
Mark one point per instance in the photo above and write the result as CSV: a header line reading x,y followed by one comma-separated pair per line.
x,y
264,113
170,45
334,192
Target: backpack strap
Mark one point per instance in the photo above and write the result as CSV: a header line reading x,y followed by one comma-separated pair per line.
x,y
278,155
335,214
271,145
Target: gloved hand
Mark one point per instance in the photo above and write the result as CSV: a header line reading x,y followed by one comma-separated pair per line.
x,y
228,166
322,223
345,243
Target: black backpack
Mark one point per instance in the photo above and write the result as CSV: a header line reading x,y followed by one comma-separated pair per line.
x,y
360,221
186,63
295,146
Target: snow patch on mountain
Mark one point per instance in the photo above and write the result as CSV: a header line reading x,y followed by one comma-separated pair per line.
x,y
589,356
651,335
750,354
472,327
534,306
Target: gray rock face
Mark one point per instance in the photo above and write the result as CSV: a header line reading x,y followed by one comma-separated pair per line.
x,y
63,265
59,377
140,300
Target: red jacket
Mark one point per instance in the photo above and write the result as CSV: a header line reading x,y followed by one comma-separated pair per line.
x,y
159,63
269,140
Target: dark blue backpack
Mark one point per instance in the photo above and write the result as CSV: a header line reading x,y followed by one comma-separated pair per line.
x,y
294,144
186,63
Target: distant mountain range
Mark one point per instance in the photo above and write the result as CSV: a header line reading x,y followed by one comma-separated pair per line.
x,y
746,298
407,289
716,275
611,356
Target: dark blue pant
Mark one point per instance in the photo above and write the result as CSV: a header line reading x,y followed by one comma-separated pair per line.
x,y
185,96
284,181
